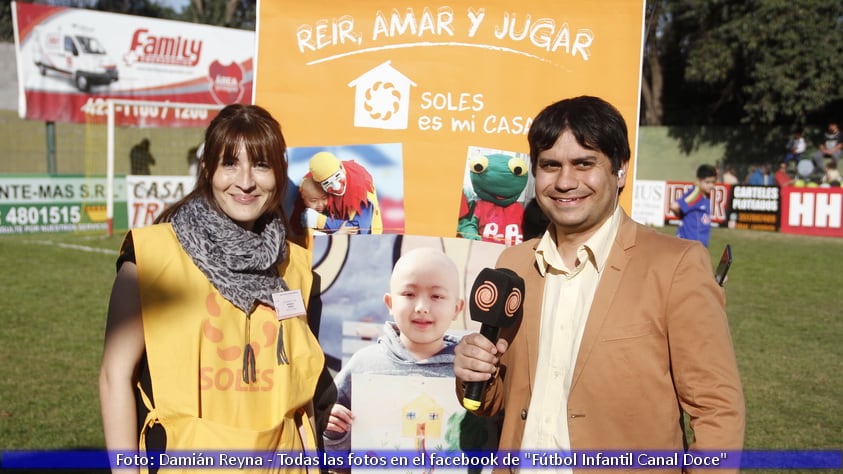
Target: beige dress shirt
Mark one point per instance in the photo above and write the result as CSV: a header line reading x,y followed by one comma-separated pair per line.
x,y
568,294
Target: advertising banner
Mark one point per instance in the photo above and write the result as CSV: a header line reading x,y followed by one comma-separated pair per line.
x,y
148,196
754,207
70,61
444,81
57,204
720,196
812,211
648,202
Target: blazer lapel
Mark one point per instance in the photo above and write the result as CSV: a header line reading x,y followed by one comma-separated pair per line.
x,y
606,291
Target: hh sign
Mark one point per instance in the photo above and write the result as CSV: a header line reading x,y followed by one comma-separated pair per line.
x,y
812,211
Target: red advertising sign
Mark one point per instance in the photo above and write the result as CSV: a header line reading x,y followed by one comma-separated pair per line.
x,y
812,211
70,61
719,201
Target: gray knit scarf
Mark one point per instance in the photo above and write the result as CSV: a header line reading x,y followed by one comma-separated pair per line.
x,y
241,264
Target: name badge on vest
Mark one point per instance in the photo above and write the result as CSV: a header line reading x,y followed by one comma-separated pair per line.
x,y
288,304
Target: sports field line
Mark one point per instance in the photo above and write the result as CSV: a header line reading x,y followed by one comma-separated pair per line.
x,y
73,246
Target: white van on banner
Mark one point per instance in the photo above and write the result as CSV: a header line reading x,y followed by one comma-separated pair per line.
x,y
70,61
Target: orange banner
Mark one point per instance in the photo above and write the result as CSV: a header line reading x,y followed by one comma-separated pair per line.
x,y
441,80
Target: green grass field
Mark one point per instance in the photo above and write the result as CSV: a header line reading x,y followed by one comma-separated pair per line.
x,y
783,303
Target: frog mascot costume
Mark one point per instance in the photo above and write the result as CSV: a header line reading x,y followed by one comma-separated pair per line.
x,y
494,215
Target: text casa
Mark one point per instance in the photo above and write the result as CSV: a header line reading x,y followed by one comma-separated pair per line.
x,y
166,190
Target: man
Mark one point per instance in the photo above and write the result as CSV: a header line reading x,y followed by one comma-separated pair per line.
x,y
624,328
831,147
140,158
694,207
761,176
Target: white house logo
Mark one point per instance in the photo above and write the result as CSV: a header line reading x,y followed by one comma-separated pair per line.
x,y
382,98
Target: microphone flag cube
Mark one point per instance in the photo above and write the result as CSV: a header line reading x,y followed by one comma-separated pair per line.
x,y
497,297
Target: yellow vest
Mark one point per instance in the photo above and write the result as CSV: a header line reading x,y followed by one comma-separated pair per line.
x,y
195,343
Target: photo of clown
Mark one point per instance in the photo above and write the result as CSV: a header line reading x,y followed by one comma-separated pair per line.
x,y
494,194
355,189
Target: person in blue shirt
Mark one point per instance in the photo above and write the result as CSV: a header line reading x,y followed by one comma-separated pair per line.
x,y
694,207
761,176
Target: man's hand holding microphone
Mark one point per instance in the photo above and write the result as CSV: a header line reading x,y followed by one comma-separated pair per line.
x,y
496,301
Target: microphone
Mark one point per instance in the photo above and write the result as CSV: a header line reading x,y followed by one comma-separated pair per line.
x,y
496,301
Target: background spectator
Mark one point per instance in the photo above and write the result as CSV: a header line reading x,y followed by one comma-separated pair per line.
x,y
782,177
730,177
140,158
761,176
832,175
831,147
694,207
194,155
795,147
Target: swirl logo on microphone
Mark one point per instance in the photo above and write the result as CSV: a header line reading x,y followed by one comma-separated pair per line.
x,y
497,297
513,302
486,295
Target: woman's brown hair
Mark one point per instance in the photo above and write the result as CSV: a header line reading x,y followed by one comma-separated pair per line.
x,y
260,133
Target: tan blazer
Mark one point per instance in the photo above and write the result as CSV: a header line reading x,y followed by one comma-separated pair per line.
x,y
656,343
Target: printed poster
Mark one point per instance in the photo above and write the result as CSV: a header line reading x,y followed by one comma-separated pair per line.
x,y
496,187
383,163
354,273
441,79
413,415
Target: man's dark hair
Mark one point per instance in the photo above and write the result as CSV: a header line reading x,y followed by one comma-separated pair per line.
x,y
706,171
595,124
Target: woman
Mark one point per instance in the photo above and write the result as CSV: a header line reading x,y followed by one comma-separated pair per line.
x,y
191,320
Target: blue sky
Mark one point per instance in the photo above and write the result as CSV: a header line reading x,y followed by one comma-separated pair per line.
x,y
176,5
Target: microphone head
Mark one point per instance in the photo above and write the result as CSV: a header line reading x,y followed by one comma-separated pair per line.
x,y
497,297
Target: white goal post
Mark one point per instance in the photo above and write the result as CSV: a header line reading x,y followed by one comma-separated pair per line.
x,y
111,107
